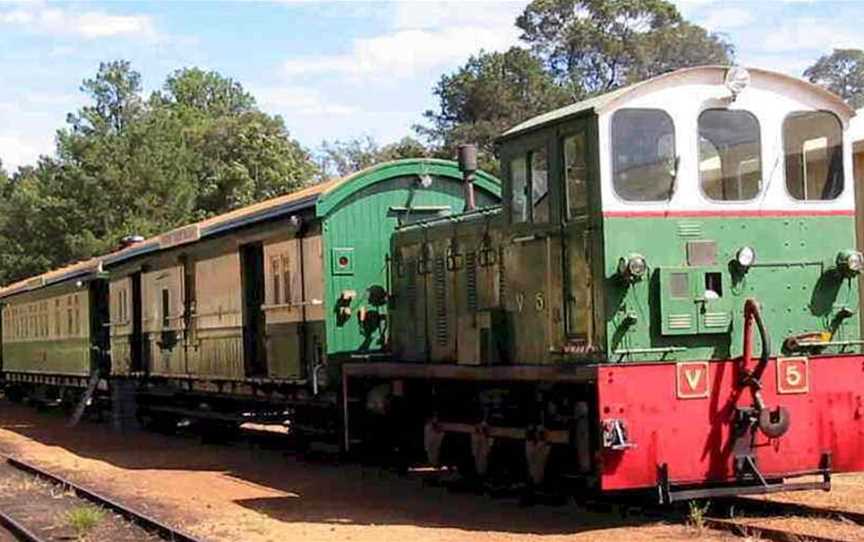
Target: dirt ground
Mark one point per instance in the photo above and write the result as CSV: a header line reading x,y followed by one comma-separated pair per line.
x,y
243,493
48,511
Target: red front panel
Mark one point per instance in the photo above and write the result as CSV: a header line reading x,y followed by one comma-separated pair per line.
x,y
682,415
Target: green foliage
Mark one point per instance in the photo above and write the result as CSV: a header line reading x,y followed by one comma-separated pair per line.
x,y
696,515
126,165
84,519
593,46
340,158
489,94
841,72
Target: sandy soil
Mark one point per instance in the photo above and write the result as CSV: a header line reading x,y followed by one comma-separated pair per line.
x,y
233,493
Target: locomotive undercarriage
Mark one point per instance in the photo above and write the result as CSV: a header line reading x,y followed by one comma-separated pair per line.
x,y
532,433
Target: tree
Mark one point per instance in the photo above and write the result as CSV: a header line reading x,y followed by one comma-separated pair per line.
x,y
206,92
246,158
490,93
593,46
841,72
239,154
126,165
4,178
116,93
340,158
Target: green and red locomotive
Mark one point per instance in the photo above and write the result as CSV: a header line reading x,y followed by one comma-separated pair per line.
x,y
667,299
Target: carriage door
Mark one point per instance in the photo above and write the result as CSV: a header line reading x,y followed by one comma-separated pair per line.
x,y
577,285
136,343
252,276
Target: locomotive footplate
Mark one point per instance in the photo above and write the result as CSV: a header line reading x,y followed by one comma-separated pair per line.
x,y
667,493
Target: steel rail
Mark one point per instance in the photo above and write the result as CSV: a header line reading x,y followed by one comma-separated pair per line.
x,y
792,508
768,533
18,530
148,523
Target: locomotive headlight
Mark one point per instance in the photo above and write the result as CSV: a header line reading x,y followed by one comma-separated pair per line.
x,y
850,262
632,268
745,257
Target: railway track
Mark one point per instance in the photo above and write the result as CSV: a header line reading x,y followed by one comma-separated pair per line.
x,y
749,526
738,521
16,530
144,521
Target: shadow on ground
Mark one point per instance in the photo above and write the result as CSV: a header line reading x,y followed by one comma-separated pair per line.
x,y
311,491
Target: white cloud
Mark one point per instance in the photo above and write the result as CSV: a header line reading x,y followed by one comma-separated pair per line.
x,y
42,18
403,53
422,36
807,33
726,18
18,150
299,101
437,14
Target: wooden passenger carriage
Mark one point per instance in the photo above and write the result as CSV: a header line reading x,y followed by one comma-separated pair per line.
x,y
241,314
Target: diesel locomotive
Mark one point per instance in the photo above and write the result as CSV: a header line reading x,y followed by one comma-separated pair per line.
x,y
665,299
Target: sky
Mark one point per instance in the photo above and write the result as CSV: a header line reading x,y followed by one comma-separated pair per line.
x,y
333,70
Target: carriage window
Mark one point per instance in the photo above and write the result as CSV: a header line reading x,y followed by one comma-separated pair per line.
x,y
166,307
277,279
576,175
730,163
813,144
540,186
643,146
519,184
286,280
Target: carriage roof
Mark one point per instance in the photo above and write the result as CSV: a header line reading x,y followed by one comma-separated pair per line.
x,y
317,200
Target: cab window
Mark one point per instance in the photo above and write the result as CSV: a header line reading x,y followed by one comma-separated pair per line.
x,y
540,186
529,181
813,148
576,175
730,163
643,148
519,188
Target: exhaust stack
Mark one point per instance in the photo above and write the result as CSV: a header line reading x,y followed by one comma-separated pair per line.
x,y
468,166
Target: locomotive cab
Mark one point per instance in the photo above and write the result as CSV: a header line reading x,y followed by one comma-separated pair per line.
x,y
640,222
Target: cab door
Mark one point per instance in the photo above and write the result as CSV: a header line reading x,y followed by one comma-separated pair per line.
x,y
531,263
577,237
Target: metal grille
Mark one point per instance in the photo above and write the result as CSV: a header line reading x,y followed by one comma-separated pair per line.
x,y
689,229
502,279
680,321
439,286
411,290
471,279
716,319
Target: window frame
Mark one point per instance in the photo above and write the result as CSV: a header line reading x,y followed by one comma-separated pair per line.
x,y
762,184
611,158
583,127
523,148
842,159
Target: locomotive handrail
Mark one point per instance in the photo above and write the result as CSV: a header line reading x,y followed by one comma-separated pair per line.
x,y
658,350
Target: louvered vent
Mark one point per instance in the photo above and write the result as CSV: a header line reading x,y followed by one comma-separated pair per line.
x,y
471,279
716,320
439,287
680,321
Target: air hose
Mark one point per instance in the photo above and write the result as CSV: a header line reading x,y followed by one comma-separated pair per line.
x,y
773,423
